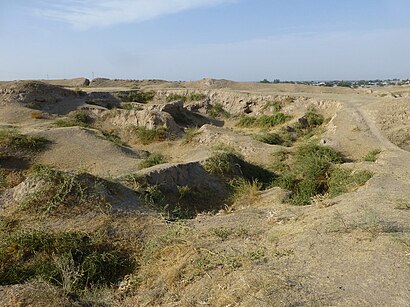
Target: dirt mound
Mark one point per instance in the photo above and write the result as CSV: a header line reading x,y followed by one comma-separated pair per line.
x,y
104,82
170,176
33,93
78,148
75,82
47,189
241,102
150,119
208,83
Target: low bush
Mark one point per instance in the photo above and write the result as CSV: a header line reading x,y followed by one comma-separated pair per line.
x,y
308,123
196,97
147,136
175,97
229,165
189,135
140,97
184,98
61,192
218,110
307,172
130,106
372,155
114,138
246,121
345,180
70,260
11,139
264,121
152,160
245,190
311,171
269,138
221,164
81,119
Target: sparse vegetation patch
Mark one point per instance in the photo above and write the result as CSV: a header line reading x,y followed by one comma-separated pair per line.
x,y
273,106
345,180
269,138
140,97
62,192
147,136
80,118
114,138
218,110
264,121
191,97
175,97
152,160
11,139
190,134
372,155
229,166
71,260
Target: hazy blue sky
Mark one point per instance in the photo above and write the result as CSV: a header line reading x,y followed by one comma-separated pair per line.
x,y
192,39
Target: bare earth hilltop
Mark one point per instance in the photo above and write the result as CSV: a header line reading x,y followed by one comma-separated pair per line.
x,y
210,192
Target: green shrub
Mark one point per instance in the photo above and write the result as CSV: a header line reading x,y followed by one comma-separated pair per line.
x,y
81,119
153,159
245,189
372,155
72,259
269,138
10,138
314,119
218,110
229,165
196,97
147,136
308,173
175,97
184,98
140,97
221,164
154,197
130,106
264,121
311,171
246,121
